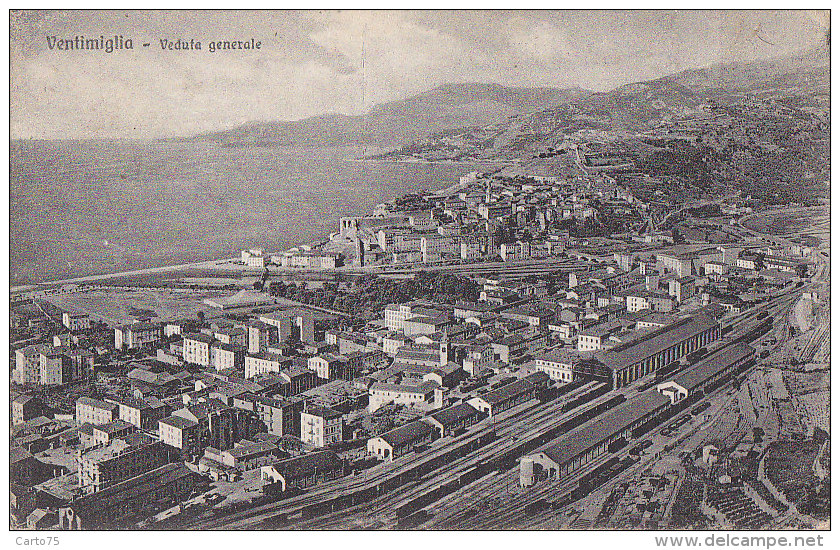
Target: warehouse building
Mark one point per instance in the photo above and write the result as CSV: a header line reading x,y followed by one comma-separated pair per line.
x,y
586,443
707,372
109,507
400,441
455,418
502,399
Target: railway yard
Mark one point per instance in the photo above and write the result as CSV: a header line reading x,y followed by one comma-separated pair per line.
x,y
662,478
472,481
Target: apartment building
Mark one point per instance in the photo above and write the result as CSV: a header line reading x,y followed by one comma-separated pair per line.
x,y
321,426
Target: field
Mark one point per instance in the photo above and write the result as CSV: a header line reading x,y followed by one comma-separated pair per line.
x,y
813,221
123,306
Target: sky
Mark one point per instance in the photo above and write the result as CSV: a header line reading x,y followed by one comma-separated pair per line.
x,y
315,62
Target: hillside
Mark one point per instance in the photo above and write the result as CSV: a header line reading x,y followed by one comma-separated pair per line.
x,y
801,80
444,108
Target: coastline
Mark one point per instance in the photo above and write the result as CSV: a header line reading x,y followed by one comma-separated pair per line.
x,y
505,162
222,264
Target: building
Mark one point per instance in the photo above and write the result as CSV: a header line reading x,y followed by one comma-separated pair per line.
x,y
421,356
478,358
55,368
321,426
653,350
280,416
107,508
75,321
716,268
260,336
331,366
434,247
25,407
283,321
253,258
512,252
302,471
142,413
179,327
245,455
503,398
535,316
137,335
584,444
401,441
558,364
81,363
707,372
24,469
91,435
28,363
648,299
509,348
22,501
454,419
422,324
197,348
411,395
680,264
682,289
298,380
264,362
124,458
218,425
311,259
227,356
95,412
180,433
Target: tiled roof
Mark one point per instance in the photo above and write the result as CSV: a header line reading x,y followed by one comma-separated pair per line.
x,y
97,403
178,422
507,392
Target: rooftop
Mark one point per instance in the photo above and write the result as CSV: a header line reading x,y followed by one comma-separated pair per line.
x,y
196,337
583,438
560,355
93,505
178,422
508,391
406,434
323,412
90,402
308,464
639,349
713,364
453,414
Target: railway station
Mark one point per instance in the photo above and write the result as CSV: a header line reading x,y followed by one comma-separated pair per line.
x,y
630,361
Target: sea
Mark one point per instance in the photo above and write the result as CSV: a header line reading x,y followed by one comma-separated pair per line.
x,y
91,207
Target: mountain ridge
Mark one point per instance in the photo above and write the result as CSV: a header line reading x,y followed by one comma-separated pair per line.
x,y
477,105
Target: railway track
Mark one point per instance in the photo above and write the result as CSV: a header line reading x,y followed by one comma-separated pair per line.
x,y
515,513
510,436
347,488
507,434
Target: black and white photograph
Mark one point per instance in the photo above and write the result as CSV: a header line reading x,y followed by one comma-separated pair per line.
x,y
420,270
